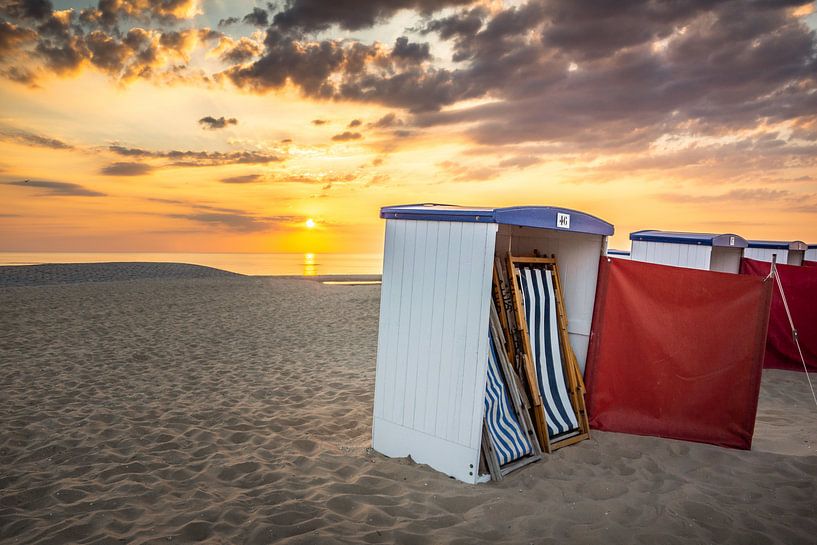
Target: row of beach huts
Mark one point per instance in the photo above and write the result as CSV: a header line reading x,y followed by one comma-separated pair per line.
x,y
495,323
711,251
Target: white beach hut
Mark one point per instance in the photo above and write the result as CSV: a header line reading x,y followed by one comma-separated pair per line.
x,y
705,251
620,254
788,253
811,252
432,349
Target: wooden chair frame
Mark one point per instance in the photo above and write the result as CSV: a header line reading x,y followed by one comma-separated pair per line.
x,y
572,372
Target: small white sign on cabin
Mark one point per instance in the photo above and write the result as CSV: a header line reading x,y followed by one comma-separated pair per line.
x,y
562,220
731,241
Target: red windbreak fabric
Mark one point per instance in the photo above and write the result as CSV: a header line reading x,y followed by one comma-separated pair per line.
x,y
676,352
807,263
800,285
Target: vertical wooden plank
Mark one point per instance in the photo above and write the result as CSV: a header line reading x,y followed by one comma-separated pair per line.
x,y
387,303
476,357
459,338
414,323
428,422
637,252
422,312
391,319
447,354
404,327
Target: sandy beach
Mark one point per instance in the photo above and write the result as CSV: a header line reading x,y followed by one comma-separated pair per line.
x,y
170,403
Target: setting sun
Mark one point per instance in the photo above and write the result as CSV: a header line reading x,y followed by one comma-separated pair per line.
x,y
310,223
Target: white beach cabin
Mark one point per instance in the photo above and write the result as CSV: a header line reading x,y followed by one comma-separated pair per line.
x,y
811,253
788,253
705,251
620,254
432,350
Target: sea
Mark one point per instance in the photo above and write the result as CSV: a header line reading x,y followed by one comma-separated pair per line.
x,y
272,264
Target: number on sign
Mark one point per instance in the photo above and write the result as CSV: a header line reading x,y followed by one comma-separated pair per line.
x,y
563,220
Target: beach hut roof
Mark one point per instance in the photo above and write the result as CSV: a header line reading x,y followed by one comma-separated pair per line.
x,y
612,251
543,217
700,239
779,244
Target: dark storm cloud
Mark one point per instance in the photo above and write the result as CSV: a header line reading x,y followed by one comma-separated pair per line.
x,y
126,168
409,52
245,179
111,13
198,158
59,189
576,74
346,136
463,24
212,123
28,9
228,21
257,17
32,139
311,15
13,36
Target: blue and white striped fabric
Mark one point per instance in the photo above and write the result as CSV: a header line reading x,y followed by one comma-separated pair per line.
x,y
543,330
509,440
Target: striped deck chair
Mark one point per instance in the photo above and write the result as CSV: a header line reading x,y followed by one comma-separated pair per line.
x,y
540,314
509,440
508,436
549,354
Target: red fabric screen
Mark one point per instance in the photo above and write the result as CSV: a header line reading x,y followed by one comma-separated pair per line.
x,y
676,352
800,285
807,263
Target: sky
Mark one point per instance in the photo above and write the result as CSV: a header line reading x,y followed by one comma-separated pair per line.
x,y
215,126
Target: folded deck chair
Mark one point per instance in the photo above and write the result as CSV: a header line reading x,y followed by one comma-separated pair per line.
x,y
548,352
509,439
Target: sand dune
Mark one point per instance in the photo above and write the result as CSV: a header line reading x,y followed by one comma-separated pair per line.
x,y
71,273
236,409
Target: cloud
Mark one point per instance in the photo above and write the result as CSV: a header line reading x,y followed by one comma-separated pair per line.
x,y
410,53
31,139
237,52
520,161
199,158
312,15
228,21
126,169
319,122
29,9
245,179
354,123
257,17
13,36
468,173
212,123
734,195
387,121
346,136
241,223
59,189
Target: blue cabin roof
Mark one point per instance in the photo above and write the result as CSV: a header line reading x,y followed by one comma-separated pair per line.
x,y
611,251
779,244
698,239
543,217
